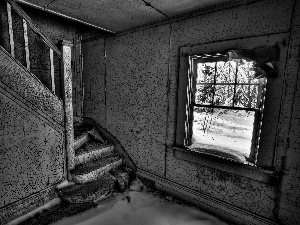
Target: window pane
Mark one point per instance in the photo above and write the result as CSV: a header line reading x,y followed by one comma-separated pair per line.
x,y
245,73
204,94
224,95
206,72
223,132
226,72
246,96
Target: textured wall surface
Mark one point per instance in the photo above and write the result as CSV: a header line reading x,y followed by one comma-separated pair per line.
x,y
94,80
31,152
240,191
137,65
32,157
27,86
141,70
289,131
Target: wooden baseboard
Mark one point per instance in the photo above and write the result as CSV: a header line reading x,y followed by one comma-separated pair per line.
x,y
209,204
26,205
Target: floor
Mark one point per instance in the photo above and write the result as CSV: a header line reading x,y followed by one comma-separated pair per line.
x,y
139,206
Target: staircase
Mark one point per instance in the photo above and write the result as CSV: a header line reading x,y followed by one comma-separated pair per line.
x,y
98,163
98,168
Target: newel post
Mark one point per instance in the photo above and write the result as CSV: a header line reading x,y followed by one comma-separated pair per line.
x,y
66,77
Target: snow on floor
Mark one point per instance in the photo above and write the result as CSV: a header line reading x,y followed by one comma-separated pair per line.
x,y
140,207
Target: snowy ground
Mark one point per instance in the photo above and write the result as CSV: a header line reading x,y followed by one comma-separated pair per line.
x,y
229,133
140,207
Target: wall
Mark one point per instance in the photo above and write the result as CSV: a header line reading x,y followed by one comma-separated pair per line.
x,y
94,81
31,141
139,78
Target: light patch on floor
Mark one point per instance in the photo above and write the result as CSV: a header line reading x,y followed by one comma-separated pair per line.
x,y
140,207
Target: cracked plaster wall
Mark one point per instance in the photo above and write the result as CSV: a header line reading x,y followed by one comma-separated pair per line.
x,y
139,105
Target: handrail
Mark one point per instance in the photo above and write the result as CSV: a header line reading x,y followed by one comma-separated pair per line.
x,y
34,27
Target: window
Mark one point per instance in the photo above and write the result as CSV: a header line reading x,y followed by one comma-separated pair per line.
x,y
229,99
225,107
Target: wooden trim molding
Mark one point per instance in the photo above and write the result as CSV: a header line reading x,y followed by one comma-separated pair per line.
x,y
10,30
26,205
26,44
223,164
211,205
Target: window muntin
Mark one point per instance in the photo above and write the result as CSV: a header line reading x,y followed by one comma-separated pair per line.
x,y
224,107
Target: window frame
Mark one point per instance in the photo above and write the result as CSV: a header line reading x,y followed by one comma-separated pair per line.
x,y
258,109
266,153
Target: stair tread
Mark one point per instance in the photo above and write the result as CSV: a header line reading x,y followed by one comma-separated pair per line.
x,y
94,165
89,191
87,188
81,130
91,146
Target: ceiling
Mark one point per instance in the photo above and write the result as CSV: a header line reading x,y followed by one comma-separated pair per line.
x,y
120,15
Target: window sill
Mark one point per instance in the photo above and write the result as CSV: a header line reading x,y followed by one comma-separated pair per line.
x,y
226,165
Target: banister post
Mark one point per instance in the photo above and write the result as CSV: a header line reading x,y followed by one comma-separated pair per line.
x,y
66,76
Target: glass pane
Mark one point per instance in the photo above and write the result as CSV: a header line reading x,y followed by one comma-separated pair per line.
x,y
246,73
224,95
223,132
226,72
246,96
206,72
204,94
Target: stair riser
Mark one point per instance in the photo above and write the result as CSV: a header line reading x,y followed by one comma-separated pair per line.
x,y
96,154
81,141
96,174
90,198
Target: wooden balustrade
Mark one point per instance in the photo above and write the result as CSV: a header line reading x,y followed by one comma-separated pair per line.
x,y
28,23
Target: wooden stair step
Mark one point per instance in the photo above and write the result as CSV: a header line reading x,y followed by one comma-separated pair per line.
x,y
82,193
86,134
93,170
91,151
79,141
80,130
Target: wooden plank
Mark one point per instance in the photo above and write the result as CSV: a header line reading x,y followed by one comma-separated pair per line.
x,y
226,107
66,76
182,100
26,44
52,71
77,78
34,27
10,30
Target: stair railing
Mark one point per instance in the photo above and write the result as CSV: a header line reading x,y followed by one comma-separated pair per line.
x,y
64,54
28,22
